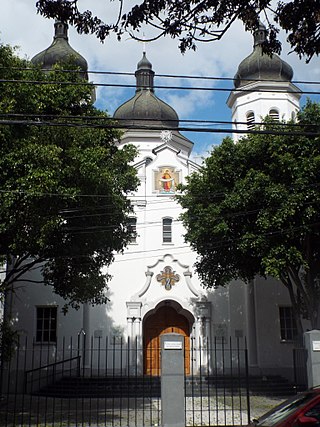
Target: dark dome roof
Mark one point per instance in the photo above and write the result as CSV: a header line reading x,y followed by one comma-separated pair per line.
x,y
259,66
60,51
145,107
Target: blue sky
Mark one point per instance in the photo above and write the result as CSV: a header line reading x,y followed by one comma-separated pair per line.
x,y
21,26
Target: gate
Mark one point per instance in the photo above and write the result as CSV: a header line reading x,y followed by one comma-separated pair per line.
x,y
97,382
300,356
217,391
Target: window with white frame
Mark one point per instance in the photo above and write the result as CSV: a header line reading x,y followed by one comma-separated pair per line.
x,y
167,230
250,120
288,327
132,228
46,324
274,114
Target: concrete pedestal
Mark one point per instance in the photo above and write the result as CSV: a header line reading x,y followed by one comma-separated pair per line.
x,y
172,380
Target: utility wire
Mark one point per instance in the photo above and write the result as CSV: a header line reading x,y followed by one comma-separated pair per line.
x,y
143,120
173,76
132,197
158,127
219,244
133,86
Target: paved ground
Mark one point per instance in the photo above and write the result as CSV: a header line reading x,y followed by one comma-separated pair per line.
x,y
34,411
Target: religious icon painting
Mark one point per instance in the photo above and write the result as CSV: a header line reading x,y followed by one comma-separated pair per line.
x,y
166,180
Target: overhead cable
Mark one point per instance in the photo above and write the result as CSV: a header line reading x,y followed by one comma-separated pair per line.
x,y
173,76
151,127
150,120
133,86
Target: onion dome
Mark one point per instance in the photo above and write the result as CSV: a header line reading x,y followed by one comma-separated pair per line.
x,y
60,51
145,108
260,66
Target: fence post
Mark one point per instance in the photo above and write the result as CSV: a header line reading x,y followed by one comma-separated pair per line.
x,y
172,380
312,344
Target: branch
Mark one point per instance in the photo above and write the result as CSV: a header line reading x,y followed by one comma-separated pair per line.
x,y
15,274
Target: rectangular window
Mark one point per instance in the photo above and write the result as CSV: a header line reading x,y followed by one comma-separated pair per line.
x,y
46,324
132,228
167,230
288,327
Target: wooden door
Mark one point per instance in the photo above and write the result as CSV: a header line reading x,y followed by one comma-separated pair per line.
x,y
165,320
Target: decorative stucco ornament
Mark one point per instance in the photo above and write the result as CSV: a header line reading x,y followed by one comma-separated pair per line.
x,y
166,135
168,278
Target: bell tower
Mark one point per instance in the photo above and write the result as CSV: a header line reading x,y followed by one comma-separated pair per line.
x,y
262,86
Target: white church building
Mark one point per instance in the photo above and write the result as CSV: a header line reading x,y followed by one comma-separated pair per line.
x,y
154,287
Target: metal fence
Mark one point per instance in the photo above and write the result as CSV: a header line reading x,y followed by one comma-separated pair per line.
x,y
103,383
300,356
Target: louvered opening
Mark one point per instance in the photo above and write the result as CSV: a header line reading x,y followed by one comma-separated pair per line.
x,y
250,120
274,114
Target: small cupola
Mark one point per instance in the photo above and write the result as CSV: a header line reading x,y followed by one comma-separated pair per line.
x,y
260,66
145,108
60,51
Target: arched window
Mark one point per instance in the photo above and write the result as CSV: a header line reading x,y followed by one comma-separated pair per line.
x,y
167,230
132,228
274,114
250,120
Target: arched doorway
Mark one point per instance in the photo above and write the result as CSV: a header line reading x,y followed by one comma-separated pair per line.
x,y
165,320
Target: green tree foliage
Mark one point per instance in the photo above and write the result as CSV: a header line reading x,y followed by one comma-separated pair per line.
x,y
63,182
201,20
254,209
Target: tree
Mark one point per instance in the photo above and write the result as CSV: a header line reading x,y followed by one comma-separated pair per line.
x,y
254,209
201,20
63,182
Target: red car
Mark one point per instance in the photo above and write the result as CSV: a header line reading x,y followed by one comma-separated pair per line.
x,y
300,410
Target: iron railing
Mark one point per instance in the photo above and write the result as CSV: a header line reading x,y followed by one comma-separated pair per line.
x,y
107,383
300,356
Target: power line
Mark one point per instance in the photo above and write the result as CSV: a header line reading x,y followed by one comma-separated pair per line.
x,y
132,197
150,120
173,76
219,244
133,86
158,127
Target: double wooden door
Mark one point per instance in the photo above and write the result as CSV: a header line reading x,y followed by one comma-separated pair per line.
x,y
165,320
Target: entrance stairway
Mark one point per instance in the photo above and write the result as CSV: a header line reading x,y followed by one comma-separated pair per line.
x,y
132,387
273,385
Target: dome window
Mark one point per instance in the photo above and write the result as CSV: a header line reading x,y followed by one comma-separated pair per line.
x,y
274,114
250,120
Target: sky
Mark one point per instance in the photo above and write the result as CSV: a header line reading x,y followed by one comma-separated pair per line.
x,y
21,26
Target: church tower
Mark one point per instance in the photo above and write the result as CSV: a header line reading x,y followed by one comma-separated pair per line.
x,y
154,287
263,86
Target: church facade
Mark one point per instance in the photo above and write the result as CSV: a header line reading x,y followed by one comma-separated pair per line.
x,y
154,288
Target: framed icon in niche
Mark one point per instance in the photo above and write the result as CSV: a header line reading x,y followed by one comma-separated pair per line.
x,y
166,180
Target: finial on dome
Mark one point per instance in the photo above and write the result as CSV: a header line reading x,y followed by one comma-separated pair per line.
x,y
260,35
60,30
144,74
144,44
